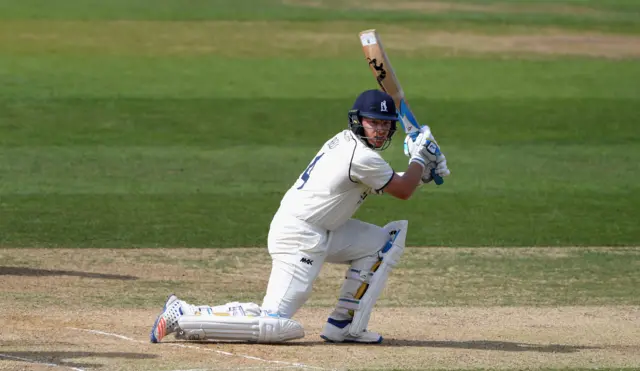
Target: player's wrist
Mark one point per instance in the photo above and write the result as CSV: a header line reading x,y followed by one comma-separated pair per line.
x,y
418,160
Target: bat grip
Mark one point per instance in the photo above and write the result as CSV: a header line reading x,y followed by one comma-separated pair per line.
x,y
436,178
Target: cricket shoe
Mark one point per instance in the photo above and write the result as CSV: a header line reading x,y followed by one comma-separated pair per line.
x,y
167,321
337,331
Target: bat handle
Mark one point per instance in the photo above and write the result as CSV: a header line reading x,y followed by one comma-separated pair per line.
x,y
436,178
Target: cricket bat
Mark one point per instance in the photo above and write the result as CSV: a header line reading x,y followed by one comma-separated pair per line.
x,y
388,81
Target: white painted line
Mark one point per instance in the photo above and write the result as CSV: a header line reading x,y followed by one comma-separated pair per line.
x,y
107,334
38,362
289,364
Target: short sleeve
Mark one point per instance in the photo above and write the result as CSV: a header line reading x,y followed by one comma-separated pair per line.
x,y
369,168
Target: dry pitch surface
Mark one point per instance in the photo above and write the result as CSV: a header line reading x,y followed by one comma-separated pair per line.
x,y
92,310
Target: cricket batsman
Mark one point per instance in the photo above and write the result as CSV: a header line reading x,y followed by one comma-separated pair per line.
x,y
314,225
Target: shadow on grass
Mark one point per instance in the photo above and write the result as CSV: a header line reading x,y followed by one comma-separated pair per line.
x,y
21,271
59,358
505,346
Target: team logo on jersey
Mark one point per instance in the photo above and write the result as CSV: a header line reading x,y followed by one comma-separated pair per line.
x,y
334,143
383,106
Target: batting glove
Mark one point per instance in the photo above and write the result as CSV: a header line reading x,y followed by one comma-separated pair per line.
x,y
422,148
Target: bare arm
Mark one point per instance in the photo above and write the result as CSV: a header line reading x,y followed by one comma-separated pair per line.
x,y
403,186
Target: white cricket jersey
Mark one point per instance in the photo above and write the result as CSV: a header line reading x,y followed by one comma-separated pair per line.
x,y
336,182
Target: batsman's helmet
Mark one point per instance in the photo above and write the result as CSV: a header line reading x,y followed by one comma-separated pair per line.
x,y
374,104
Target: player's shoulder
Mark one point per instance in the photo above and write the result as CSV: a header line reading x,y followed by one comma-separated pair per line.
x,y
360,152
341,139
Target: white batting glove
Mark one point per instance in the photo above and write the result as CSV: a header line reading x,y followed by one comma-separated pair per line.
x,y
411,141
421,147
441,167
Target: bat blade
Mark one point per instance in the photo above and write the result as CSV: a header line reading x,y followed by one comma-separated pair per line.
x,y
388,81
386,77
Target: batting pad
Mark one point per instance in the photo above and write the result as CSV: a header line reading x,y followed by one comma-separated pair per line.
x,y
389,257
264,329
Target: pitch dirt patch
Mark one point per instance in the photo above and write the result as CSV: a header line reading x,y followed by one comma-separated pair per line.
x,y
429,6
91,309
545,43
301,40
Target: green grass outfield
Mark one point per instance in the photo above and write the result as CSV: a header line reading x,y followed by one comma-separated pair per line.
x,y
146,123
615,15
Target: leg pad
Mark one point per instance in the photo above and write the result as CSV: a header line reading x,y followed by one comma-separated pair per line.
x,y
265,329
367,295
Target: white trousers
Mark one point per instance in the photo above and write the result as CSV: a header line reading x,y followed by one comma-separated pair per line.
x,y
298,251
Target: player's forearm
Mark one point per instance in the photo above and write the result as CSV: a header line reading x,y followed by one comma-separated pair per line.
x,y
404,184
412,176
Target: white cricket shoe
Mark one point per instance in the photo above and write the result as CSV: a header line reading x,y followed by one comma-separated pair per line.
x,y
167,321
336,331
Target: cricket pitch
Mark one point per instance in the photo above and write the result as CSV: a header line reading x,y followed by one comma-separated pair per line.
x,y
92,310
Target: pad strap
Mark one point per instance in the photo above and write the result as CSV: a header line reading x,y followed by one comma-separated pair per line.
x,y
359,275
349,303
362,276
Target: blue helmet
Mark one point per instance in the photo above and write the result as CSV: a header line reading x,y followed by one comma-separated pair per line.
x,y
374,104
